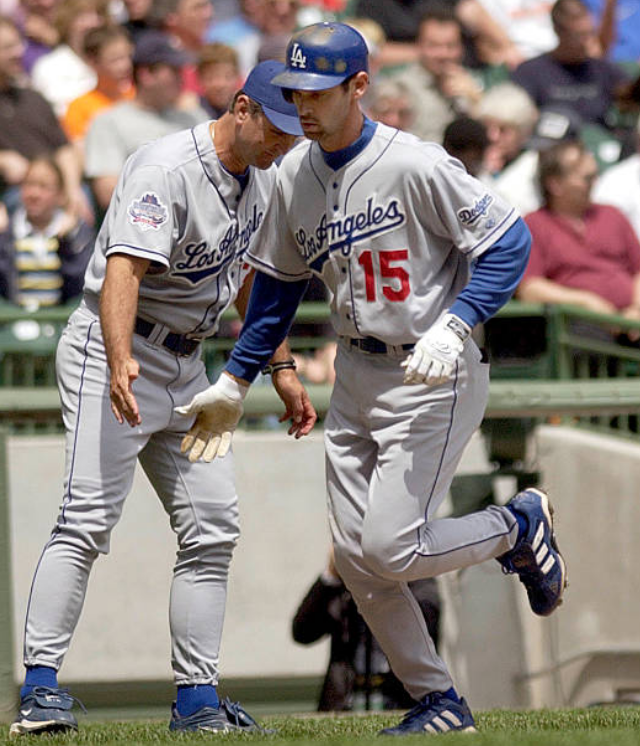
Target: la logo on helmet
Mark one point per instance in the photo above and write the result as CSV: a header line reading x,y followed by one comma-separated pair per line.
x,y
297,58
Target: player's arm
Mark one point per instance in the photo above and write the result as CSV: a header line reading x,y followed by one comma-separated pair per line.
x,y
118,306
494,279
282,368
282,354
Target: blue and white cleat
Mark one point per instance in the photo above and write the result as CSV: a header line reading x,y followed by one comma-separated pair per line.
x,y
45,710
536,557
436,713
228,717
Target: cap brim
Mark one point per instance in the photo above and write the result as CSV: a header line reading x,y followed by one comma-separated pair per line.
x,y
285,122
303,81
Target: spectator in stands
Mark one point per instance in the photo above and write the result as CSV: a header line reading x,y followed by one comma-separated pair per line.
x,y
510,117
118,132
440,87
358,676
619,185
467,140
29,127
64,74
45,250
242,32
219,76
279,21
186,23
572,75
35,21
391,104
583,253
109,50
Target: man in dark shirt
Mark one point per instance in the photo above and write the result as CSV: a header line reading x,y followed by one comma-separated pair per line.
x,y
571,75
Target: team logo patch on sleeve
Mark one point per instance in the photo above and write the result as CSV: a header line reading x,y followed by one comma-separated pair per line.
x,y
148,212
471,215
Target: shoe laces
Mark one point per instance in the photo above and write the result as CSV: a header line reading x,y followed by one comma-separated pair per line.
x,y
237,712
429,702
44,691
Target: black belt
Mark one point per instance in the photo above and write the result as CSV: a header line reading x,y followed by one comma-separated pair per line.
x,y
179,344
376,346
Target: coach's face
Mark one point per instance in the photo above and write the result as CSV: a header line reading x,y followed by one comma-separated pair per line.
x,y
259,142
333,116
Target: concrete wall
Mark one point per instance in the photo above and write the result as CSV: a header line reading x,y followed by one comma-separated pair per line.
x,y
123,631
500,654
589,650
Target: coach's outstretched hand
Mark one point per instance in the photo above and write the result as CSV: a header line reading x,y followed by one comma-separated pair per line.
x,y
434,356
218,410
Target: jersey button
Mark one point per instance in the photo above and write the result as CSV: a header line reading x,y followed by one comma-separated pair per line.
x,y
335,184
349,317
335,208
344,270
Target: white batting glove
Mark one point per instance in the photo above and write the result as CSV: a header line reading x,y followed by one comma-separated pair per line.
x,y
434,356
218,410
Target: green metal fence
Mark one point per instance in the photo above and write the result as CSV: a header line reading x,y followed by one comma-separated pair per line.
x,y
529,342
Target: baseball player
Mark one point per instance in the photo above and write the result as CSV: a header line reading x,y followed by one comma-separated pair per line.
x,y
169,259
415,253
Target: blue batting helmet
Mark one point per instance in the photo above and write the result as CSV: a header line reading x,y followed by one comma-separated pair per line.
x,y
322,56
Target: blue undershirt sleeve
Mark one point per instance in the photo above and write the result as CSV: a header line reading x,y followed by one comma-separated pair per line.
x,y
495,276
272,306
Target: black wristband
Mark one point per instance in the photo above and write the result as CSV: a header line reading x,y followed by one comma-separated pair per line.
x,y
275,367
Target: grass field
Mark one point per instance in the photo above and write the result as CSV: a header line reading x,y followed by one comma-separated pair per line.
x,y
619,726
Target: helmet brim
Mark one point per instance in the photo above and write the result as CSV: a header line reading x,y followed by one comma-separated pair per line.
x,y
304,81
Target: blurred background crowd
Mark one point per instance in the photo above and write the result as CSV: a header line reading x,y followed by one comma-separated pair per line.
x,y
538,99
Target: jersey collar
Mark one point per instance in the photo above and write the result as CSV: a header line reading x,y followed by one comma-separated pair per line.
x,y
339,158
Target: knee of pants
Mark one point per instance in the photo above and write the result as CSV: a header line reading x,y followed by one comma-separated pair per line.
x,y
215,555
386,556
81,540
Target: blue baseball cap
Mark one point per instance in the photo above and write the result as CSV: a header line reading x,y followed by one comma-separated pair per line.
x,y
259,88
155,47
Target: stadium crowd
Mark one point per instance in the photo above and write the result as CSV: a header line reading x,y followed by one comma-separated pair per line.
x,y
84,83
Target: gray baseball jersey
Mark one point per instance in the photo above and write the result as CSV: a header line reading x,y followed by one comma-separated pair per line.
x,y
176,205
392,230
391,233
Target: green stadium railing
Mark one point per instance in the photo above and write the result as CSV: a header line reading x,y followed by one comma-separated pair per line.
x,y
527,342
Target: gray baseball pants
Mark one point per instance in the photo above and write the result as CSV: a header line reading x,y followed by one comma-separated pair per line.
x,y
392,451
200,500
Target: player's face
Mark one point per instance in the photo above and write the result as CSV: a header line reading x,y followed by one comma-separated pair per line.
x,y
332,117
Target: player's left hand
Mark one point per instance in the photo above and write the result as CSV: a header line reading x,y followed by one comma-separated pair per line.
x,y
435,354
299,408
